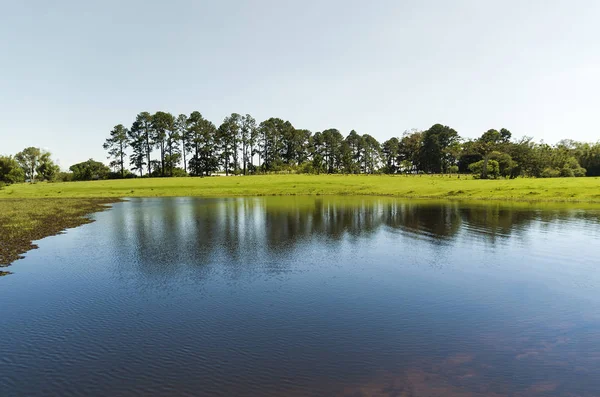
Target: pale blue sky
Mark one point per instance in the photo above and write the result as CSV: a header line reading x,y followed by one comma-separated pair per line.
x,y
71,70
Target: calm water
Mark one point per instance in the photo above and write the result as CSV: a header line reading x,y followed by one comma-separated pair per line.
x,y
308,297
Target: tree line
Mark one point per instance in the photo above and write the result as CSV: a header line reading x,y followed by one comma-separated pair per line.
x,y
193,145
162,145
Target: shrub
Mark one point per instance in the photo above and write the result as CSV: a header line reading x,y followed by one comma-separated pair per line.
x,y
11,171
567,172
493,169
179,172
550,173
64,177
505,163
579,172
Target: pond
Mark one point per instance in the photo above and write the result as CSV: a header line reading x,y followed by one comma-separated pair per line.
x,y
308,296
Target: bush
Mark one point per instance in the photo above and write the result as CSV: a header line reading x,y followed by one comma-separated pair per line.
x,y
550,173
453,169
567,172
493,169
89,170
306,168
10,171
505,163
179,172
579,172
64,177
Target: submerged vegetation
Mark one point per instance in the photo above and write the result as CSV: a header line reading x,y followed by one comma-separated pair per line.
x,y
23,221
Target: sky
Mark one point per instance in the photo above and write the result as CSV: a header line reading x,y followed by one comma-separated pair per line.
x,y
71,70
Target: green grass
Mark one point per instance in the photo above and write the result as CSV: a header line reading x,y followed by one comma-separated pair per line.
x,y
439,187
25,220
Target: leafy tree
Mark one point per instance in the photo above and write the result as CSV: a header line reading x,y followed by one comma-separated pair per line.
x,y
433,151
390,150
181,126
202,143
10,170
356,145
468,155
491,141
588,156
409,150
332,140
272,144
228,138
294,145
138,141
505,163
143,127
89,170
171,160
493,168
116,145
371,154
525,162
29,159
173,156
317,149
346,158
46,169
236,139
161,123
248,132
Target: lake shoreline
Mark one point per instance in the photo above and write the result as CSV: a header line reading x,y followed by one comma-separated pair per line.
x,y
23,221
26,220
34,211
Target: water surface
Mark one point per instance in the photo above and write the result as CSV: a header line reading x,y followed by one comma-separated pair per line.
x,y
308,297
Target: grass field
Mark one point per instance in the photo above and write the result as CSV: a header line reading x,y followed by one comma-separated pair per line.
x,y
413,186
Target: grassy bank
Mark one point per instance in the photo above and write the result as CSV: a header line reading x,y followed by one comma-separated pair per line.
x,y
439,187
25,220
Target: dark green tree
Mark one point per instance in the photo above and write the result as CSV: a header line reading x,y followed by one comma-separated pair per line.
x,y
390,151
491,141
46,169
248,140
116,145
162,123
89,170
408,150
203,145
181,126
433,153
10,170
356,145
332,140
371,154
229,139
143,128
138,141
